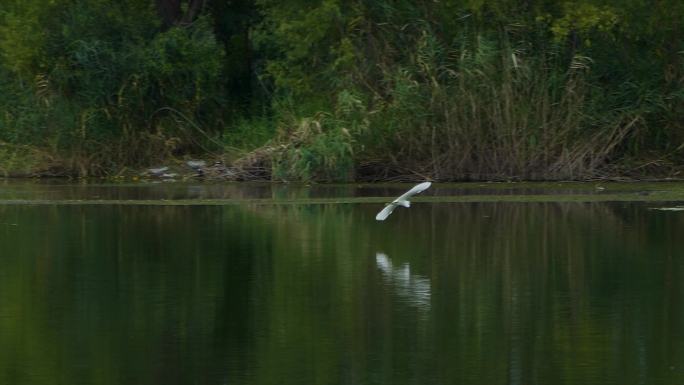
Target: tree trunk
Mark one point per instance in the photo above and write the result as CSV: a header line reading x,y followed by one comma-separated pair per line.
x,y
171,11
195,7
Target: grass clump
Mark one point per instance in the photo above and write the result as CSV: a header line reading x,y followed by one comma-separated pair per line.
x,y
314,149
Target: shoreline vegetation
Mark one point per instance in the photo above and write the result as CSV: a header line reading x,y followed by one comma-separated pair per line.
x,y
665,196
339,91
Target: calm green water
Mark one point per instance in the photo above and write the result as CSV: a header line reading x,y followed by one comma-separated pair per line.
x,y
441,293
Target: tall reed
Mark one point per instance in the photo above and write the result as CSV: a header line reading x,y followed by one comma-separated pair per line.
x,y
490,112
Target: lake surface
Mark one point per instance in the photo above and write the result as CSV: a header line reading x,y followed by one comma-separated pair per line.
x,y
264,284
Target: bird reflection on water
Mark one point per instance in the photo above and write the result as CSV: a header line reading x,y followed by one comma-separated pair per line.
x,y
410,287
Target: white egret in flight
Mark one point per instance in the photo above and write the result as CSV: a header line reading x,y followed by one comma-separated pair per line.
x,y
402,200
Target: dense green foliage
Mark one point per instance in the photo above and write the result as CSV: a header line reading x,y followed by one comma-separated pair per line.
x,y
337,90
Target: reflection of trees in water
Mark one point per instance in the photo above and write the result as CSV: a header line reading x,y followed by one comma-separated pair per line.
x,y
562,286
573,292
125,294
519,291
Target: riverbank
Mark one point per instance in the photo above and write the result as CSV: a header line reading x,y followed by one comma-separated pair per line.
x,y
26,163
194,191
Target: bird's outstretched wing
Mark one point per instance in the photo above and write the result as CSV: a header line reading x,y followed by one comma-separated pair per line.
x,y
382,215
415,190
402,200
